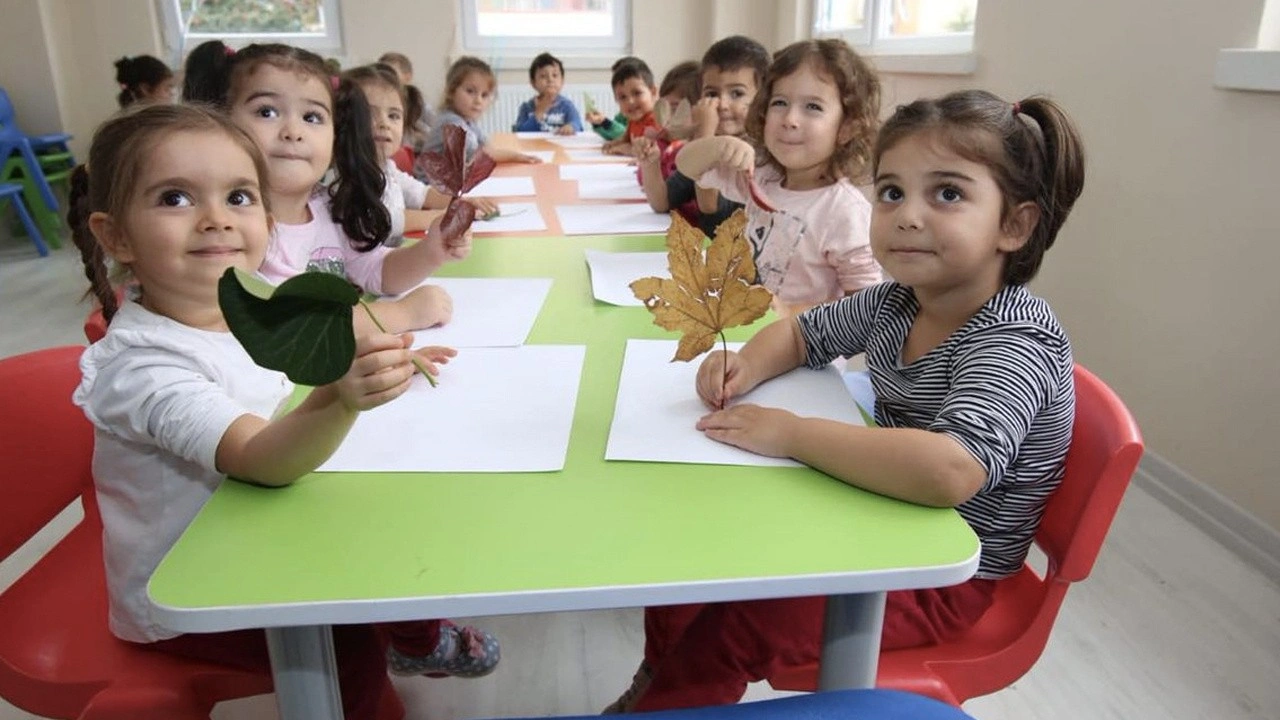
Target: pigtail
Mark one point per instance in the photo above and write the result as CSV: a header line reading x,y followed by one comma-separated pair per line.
x,y
91,254
206,77
355,198
1062,167
124,77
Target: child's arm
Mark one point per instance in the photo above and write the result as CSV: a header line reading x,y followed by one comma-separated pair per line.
x,y
525,119
608,128
725,152
503,155
649,158
405,267
617,146
280,451
423,307
572,119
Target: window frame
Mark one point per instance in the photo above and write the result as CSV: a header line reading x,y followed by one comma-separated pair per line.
x,y
872,38
567,46
179,41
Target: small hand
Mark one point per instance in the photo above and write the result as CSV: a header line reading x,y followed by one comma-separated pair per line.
x,y
646,151
528,159
722,377
595,117
486,209
429,306
735,154
379,374
432,356
566,130
460,248
706,117
764,431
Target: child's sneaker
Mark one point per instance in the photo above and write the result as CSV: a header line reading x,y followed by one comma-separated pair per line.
x,y
461,652
627,701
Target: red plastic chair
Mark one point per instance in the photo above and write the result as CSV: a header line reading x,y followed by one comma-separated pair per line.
x,y
57,657
403,158
1105,448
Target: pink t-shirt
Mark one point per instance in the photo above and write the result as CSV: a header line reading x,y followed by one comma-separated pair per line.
x,y
816,248
321,245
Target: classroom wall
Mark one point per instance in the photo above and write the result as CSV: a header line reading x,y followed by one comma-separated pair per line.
x,y
1164,275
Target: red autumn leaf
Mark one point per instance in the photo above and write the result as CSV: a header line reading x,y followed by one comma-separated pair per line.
x,y
445,169
456,220
481,167
758,195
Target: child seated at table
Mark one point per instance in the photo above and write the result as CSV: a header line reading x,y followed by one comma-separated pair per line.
x,y
732,70
549,111
178,405
470,87
635,92
609,128
972,373
419,117
411,203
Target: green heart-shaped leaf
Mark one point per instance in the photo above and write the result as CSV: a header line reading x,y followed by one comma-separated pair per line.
x,y
301,328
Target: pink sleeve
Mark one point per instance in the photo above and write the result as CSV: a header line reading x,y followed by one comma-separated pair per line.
x,y
365,268
846,241
731,185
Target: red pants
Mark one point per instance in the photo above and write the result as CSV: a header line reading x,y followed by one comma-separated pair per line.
x,y
360,652
706,654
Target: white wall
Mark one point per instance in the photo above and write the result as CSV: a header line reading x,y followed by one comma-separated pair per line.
x,y
1164,275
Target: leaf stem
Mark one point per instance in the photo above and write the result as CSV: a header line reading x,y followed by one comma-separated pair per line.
x,y
416,363
724,380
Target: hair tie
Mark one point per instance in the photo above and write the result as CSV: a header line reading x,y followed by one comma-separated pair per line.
x,y
335,81
124,86
228,50
1017,108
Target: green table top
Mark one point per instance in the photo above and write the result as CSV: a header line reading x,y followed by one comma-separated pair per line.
x,y
362,547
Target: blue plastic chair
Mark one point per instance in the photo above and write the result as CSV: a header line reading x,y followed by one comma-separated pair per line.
x,y
13,192
832,705
39,143
12,140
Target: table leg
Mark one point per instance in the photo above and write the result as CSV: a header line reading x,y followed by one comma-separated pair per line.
x,y
305,673
851,641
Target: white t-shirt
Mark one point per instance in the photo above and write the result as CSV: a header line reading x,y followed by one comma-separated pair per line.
x,y
321,245
817,248
401,192
160,395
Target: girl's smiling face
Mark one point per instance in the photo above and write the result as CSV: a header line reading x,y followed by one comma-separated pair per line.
x,y
290,115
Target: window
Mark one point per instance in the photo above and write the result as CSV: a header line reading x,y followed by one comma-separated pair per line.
x,y
899,27
524,28
312,24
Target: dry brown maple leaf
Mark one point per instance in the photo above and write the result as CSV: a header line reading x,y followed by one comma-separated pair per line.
x,y
704,295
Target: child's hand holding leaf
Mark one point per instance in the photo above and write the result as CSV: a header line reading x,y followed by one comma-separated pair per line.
x,y
379,374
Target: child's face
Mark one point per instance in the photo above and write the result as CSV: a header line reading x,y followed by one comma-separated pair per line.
x,y
733,91
548,80
388,118
473,96
635,99
936,220
290,117
802,126
197,211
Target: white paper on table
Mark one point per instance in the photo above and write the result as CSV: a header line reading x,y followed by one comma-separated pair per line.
x,y
617,219
514,217
613,272
495,410
604,181
597,171
580,140
658,407
503,187
534,135
487,312
545,156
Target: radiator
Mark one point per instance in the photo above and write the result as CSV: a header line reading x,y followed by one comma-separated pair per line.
x,y
502,114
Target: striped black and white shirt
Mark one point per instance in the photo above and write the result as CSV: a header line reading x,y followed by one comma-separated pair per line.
x,y
1001,385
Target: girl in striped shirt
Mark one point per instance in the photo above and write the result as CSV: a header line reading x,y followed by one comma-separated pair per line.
x,y
972,374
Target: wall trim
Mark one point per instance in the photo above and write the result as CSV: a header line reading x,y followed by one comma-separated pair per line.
x,y
1255,542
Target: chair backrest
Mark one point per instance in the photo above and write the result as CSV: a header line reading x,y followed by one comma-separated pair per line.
x,y
6,108
1105,448
46,443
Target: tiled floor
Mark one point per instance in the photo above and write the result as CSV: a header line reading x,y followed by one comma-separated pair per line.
x,y
1171,625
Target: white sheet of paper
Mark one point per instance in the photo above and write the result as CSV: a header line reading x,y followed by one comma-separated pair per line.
x,y
503,187
597,171
581,140
515,217
487,312
619,219
495,410
534,135
593,155
658,407
545,156
613,272
604,181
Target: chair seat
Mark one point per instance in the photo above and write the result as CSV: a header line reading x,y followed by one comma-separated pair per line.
x,y
838,704
58,652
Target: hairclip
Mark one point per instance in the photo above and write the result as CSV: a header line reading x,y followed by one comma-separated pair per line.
x,y
124,86
335,81
228,50
1017,108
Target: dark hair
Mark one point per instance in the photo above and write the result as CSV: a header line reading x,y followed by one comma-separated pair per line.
x,y
738,51
355,198
458,72
204,73
543,60
685,79
859,90
108,183
623,61
377,74
397,60
415,106
136,73
1032,148
632,68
